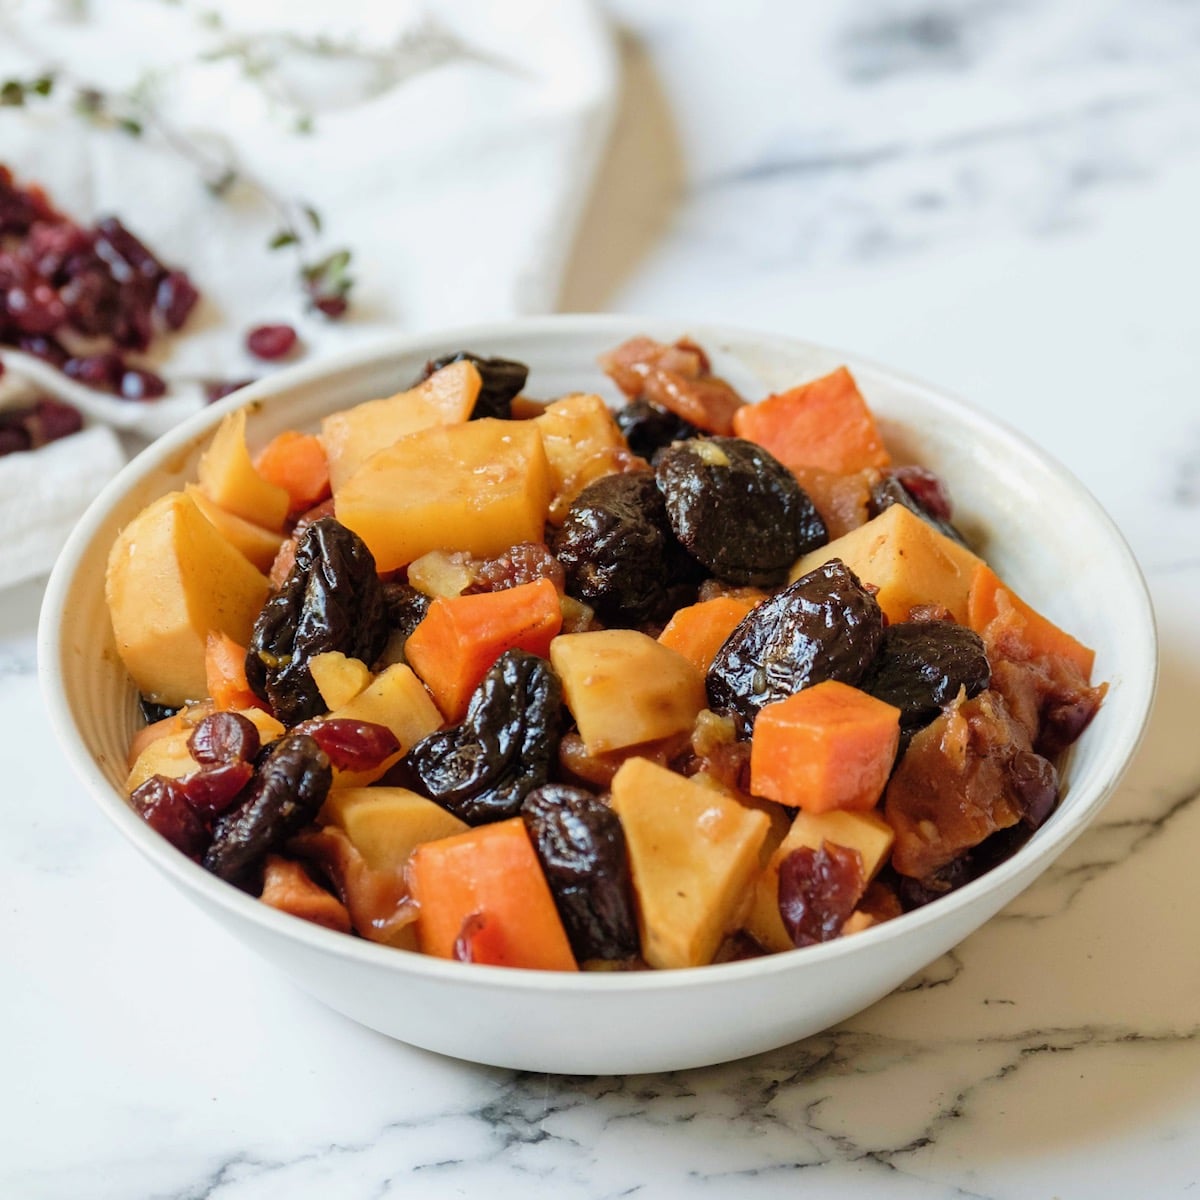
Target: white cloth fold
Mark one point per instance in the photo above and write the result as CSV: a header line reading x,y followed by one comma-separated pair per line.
x,y
449,146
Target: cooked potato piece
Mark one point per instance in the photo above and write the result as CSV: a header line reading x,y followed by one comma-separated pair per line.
x,y
866,832
386,823
693,853
227,477
172,578
480,487
338,678
582,442
351,436
259,545
908,560
624,688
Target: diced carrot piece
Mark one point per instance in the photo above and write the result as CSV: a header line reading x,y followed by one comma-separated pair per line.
x,y
989,600
287,887
698,631
824,423
462,636
487,887
225,673
296,462
827,747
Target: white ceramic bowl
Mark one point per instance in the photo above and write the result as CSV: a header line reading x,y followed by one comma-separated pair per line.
x,y
1044,533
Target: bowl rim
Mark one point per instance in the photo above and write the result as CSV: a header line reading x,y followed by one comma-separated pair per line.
x,y
1137,686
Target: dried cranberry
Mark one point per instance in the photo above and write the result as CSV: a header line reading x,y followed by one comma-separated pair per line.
x,y
124,253
332,307
224,737
46,348
212,790
926,489
35,308
48,419
818,890
101,371
271,341
353,745
163,804
139,384
218,389
14,439
1036,784
175,298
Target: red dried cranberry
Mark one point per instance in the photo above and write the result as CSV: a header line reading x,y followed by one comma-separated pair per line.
x,y
818,890
926,489
224,737
332,307
34,308
271,341
175,298
213,790
353,745
125,254
14,439
218,389
101,371
163,805
139,384
46,348
1036,783
48,419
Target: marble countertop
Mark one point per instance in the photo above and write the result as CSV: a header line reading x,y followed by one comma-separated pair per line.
x,y
1000,197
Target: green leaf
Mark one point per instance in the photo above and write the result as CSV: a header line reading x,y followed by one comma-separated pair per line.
x,y
285,237
314,217
43,85
12,93
131,126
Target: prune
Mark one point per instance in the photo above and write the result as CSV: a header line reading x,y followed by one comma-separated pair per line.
x,y
618,551
331,600
891,490
648,428
737,509
818,890
581,845
922,665
826,625
502,378
482,769
404,606
224,737
289,786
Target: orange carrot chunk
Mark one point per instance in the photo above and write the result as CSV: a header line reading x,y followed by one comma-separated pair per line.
x,y
990,603
699,630
462,636
296,462
225,673
827,747
824,423
484,891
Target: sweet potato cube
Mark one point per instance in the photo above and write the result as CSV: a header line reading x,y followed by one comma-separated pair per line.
x,y
624,688
171,579
397,699
824,423
387,823
908,560
693,853
351,436
828,746
461,637
226,475
866,832
481,487
699,630
488,881
582,443
989,600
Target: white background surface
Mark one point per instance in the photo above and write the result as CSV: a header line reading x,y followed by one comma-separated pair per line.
x,y
999,197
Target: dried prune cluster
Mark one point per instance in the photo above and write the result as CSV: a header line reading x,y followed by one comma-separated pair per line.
x,y
83,298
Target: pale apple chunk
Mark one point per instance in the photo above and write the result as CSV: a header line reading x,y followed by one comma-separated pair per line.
x,y
226,475
866,832
693,853
172,579
624,688
397,699
169,755
259,545
351,436
386,823
480,487
583,442
908,560
338,678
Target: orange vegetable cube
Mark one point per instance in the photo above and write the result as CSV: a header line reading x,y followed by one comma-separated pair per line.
x,y
225,674
296,462
487,887
824,423
462,636
990,601
699,630
827,747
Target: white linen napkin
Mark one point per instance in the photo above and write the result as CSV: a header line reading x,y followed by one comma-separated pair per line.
x,y
449,147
